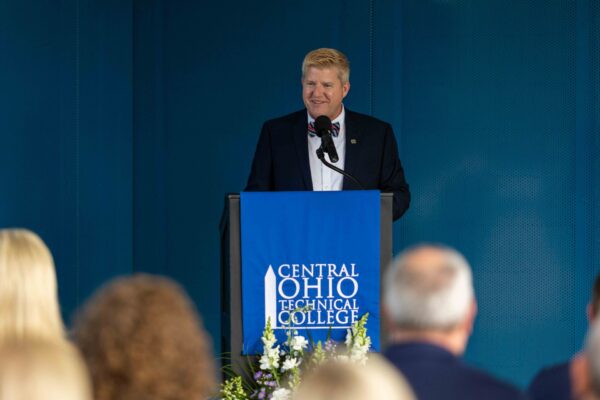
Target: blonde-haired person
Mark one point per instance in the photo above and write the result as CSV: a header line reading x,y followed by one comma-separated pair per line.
x,y
142,339
325,58
287,156
29,305
377,380
42,370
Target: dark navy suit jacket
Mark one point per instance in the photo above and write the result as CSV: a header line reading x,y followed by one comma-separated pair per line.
x,y
552,383
436,374
281,158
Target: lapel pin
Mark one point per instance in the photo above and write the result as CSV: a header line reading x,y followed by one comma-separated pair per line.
x,y
353,141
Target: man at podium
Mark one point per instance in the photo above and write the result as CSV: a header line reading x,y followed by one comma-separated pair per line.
x,y
365,148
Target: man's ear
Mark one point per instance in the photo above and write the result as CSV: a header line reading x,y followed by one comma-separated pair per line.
x,y
346,88
470,319
386,318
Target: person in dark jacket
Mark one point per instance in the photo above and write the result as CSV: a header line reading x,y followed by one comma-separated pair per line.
x,y
429,300
570,379
285,158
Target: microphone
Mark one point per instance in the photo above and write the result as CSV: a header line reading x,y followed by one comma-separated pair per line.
x,y
323,129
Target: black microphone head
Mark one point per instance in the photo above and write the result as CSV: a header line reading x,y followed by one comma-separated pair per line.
x,y
322,125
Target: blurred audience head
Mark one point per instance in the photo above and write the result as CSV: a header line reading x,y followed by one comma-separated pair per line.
x,y
28,293
142,339
377,380
592,353
429,294
584,376
594,304
42,370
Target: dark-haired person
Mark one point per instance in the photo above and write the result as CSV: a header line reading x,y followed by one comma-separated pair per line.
x,y
567,380
285,157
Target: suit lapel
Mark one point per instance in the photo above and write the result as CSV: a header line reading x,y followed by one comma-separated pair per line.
x,y
353,146
300,135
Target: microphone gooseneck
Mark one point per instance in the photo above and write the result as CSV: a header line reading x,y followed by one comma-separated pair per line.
x,y
323,130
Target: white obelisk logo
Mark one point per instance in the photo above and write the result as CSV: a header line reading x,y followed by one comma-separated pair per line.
x,y
271,297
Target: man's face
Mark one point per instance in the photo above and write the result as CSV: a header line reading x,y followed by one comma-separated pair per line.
x,y
323,92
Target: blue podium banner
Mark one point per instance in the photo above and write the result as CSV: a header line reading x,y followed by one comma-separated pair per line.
x,y
316,251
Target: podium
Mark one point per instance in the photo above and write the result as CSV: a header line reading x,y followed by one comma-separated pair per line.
x,y
231,273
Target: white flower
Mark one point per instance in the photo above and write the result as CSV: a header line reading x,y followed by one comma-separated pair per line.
x,y
269,341
349,338
290,363
270,359
358,342
281,394
273,353
265,363
299,343
358,354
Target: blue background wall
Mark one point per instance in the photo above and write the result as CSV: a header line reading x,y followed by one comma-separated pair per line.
x,y
66,135
123,124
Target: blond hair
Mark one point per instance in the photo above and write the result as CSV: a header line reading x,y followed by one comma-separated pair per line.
x,y
142,339
328,58
42,370
377,380
28,294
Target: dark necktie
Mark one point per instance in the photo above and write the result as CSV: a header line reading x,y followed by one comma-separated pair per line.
x,y
335,129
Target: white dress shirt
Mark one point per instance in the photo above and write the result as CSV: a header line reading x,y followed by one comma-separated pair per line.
x,y
323,177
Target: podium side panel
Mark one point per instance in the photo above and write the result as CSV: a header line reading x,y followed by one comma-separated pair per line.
x,y
231,287
386,252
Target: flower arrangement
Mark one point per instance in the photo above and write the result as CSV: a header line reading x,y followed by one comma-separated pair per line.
x,y
280,367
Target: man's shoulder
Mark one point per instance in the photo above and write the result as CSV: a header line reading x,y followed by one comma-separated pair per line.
x,y
475,383
365,119
490,384
553,371
551,382
421,362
